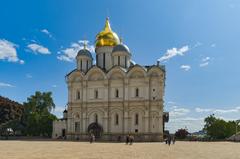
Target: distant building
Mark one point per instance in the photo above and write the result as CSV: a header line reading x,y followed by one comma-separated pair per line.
x,y
115,97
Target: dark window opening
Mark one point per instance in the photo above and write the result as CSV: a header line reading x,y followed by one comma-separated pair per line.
x,y
77,126
116,119
97,60
117,93
118,60
125,61
136,130
136,119
96,94
137,92
103,60
153,90
96,118
78,94
87,65
153,98
81,65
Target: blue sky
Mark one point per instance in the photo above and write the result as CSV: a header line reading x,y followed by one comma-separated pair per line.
x,y
198,41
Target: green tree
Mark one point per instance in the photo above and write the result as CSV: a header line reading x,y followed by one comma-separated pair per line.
x,y
37,116
181,133
218,128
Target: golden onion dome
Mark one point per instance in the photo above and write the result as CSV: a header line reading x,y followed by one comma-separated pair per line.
x,y
107,37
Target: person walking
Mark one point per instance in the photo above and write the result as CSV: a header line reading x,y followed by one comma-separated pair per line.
x,y
169,140
131,139
90,138
127,139
173,139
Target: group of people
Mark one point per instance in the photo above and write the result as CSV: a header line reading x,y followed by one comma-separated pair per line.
x,y
170,139
129,139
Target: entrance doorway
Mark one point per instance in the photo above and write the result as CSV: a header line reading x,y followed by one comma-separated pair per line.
x,y
95,129
63,133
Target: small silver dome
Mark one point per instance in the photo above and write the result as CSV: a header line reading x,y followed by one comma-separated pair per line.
x,y
121,47
85,52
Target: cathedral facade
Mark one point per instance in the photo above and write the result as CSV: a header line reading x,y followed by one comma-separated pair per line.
x,y
114,97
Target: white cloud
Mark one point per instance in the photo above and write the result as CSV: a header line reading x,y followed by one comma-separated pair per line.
x,y
36,48
192,124
176,111
2,84
213,45
69,54
45,31
218,111
171,102
205,62
8,51
185,67
54,86
197,44
200,110
174,52
206,59
28,75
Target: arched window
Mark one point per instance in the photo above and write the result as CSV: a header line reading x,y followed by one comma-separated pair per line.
x,y
104,59
136,92
87,65
81,65
136,119
96,118
125,61
118,60
96,94
116,119
78,95
116,93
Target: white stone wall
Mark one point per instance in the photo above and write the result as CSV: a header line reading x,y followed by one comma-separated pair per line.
x,y
58,126
126,105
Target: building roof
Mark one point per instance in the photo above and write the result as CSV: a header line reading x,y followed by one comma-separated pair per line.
x,y
85,52
121,47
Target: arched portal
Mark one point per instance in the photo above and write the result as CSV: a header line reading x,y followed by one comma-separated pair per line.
x,y
96,129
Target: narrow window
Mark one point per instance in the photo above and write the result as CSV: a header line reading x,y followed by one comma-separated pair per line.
x,y
96,118
78,95
103,60
77,126
97,60
117,93
96,94
125,61
153,90
81,65
136,119
116,119
118,60
87,65
137,92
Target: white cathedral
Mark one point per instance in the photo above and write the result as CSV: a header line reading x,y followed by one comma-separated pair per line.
x,y
114,97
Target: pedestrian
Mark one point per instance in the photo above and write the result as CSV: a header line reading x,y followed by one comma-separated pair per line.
x,y
91,138
127,139
119,139
169,140
131,139
173,139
